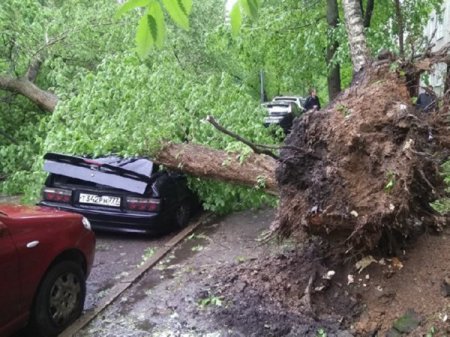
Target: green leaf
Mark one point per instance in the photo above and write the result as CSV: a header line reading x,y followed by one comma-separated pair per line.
x,y
250,7
236,19
186,5
151,30
177,12
129,5
156,23
144,38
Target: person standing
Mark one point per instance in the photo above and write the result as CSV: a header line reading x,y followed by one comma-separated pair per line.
x,y
312,101
426,101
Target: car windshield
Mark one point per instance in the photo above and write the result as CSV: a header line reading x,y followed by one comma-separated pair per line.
x,y
290,99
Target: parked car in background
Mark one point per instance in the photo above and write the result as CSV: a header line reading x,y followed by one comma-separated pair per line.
x,y
45,257
297,100
118,194
281,113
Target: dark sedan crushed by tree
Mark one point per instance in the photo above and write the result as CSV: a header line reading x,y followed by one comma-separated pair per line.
x,y
118,194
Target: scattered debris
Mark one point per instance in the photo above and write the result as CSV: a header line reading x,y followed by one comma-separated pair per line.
x,y
396,263
350,279
329,275
354,213
408,322
364,263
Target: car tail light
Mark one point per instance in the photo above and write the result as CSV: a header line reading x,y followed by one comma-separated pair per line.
x,y
57,194
143,204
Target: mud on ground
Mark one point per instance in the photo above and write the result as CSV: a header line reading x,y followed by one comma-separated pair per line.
x,y
223,281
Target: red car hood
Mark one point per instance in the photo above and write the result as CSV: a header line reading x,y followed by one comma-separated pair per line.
x,y
16,212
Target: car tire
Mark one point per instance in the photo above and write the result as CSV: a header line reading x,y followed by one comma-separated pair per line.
x,y
59,300
183,214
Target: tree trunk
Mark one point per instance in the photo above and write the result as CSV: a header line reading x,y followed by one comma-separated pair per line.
x,y
399,15
447,78
334,72
368,13
256,171
355,31
44,99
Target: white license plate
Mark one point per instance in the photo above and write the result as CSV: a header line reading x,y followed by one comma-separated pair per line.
x,y
104,200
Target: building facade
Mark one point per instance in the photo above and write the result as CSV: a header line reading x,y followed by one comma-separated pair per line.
x,y
438,32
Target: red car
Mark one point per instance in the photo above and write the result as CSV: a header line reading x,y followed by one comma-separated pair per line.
x,y
45,258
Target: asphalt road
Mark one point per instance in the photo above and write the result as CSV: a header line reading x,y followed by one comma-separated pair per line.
x,y
115,257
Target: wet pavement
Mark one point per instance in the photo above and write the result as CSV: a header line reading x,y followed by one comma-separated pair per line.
x,y
164,301
172,299
116,256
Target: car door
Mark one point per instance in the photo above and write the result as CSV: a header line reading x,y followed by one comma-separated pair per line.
x,y
9,278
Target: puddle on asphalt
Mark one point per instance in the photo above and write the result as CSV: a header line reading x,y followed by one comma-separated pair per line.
x,y
145,325
194,243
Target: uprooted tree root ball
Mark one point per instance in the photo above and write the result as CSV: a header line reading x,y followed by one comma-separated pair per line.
x,y
364,170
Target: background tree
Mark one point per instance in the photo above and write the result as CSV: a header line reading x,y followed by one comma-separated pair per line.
x,y
334,74
355,32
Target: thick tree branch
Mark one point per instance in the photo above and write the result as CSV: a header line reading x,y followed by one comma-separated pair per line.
x,y
44,99
33,69
255,170
257,149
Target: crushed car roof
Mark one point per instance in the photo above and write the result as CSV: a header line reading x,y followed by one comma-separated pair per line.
x,y
130,174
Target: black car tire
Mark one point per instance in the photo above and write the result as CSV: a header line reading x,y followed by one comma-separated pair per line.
x,y
59,300
183,214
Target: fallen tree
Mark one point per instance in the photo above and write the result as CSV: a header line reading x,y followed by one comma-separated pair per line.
x,y
360,171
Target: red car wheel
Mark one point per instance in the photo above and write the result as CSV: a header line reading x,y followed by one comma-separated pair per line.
x,y
60,299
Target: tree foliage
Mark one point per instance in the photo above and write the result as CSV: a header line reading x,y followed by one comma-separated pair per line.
x,y
69,38
112,99
130,109
124,106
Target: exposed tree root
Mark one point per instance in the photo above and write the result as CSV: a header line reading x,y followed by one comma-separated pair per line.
x,y
368,167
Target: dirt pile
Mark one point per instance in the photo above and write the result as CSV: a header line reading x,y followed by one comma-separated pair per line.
x,y
302,291
363,171
276,296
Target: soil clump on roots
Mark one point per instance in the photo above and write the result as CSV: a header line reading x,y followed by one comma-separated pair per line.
x,y
363,171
